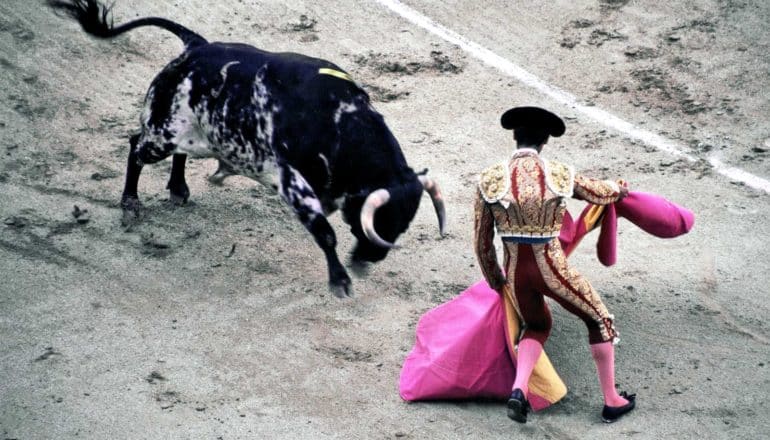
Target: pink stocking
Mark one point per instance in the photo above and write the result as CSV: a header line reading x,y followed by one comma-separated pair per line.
x,y
604,356
528,354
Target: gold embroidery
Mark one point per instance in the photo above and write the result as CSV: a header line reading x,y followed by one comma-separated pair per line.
x,y
533,209
494,182
560,178
511,229
570,285
598,192
531,229
529,189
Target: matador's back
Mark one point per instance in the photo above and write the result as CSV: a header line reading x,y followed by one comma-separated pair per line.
x,y
526,194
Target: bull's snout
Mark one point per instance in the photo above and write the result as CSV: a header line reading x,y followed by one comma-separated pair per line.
x,y
366,252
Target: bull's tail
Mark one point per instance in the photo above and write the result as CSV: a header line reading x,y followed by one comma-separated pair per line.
x,y
95,19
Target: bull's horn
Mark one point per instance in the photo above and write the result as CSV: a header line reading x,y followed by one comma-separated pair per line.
x,y
431,187
374,201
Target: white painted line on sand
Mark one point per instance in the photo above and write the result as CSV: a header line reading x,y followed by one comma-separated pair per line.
x,y
565,98
740,175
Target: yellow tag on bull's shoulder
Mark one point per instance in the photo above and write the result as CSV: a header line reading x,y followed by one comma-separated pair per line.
x,y
335,73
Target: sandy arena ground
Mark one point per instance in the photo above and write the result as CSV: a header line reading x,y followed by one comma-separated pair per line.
x,y
213,320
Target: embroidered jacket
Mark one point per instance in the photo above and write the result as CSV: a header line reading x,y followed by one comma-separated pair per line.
x,y
524,198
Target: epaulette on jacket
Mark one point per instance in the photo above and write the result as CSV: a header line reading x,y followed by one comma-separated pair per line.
x,y
494,182
560,178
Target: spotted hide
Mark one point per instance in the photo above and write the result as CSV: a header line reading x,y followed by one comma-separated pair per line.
x,y
292,122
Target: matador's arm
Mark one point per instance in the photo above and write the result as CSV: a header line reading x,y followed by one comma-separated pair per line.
x,y
598,192
484,228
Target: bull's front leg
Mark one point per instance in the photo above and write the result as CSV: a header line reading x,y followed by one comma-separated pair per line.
x,y
298,193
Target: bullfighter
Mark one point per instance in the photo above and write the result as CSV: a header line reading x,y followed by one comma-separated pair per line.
x,y
523,198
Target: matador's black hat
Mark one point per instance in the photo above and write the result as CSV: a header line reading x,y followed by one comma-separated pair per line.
x,y
533,118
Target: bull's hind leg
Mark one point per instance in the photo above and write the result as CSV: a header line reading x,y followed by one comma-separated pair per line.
x,y
223,171
179,192
129,202
298,193
140,153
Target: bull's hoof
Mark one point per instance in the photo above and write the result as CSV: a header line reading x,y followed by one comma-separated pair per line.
x,y
341,288
178,199
179,195
217,178
132,210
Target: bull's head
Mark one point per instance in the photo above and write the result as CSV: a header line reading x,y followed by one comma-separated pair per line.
x,y
385,213
377,216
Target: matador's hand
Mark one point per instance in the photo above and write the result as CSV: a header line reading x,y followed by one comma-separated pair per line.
x,y
504,290
623,189
500,286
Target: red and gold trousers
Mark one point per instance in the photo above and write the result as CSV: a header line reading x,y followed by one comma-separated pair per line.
x,y
538,270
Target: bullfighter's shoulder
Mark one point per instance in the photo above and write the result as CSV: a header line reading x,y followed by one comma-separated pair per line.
x,y
560,178
494,182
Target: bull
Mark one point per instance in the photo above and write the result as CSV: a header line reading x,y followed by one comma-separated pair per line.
x,y
295,123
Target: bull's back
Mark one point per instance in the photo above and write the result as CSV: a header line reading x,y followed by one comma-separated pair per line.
x,y
246,106
222,71
234,83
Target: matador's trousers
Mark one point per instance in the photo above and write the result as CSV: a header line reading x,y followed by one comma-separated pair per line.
x,y
535,270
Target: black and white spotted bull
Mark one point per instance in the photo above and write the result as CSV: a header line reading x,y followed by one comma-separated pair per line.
x,y
299,120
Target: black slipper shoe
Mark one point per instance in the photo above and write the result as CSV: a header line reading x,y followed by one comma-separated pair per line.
x,y
613,413
518,406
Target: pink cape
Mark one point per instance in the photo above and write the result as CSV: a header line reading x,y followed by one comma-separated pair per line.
x,y
441,365
650,212
461,349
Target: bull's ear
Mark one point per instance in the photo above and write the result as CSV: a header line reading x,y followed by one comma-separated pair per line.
x,y
410,190
424,172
